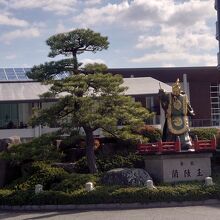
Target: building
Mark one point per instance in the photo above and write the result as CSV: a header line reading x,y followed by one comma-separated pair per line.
x,y
202,85
20,95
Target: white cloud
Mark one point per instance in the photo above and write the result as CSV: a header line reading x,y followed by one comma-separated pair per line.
x,y
8,20
11,57
86,61
175,57
142,13
57,6
173,39
20,33
182,36
107,14
61,28
91,2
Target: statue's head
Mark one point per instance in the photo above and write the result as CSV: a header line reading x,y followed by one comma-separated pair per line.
x,y
176,88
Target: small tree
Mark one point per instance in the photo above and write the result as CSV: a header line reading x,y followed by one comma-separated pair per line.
x,y
93,101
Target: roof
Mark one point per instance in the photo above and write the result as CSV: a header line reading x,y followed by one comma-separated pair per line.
x,y
30,91
21,91
144,85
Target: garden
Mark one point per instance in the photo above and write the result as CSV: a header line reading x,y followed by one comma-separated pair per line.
x,y
63,162
40,162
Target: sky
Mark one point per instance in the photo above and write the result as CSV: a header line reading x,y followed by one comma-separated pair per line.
x,y
142,33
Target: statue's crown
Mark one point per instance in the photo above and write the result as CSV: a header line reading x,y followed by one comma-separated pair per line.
x,y
176,85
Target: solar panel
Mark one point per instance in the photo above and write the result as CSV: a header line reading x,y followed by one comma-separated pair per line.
x,y
2,75
20,74
10,73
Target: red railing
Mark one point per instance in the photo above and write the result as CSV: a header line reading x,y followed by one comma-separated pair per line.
x,y
204,145
169,147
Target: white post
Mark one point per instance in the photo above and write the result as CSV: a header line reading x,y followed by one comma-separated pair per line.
x,y
89,186
208,181
185,86
38,188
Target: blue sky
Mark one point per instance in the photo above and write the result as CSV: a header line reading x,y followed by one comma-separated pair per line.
x,y
142,33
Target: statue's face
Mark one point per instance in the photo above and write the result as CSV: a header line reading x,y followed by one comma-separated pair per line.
x,y
176,91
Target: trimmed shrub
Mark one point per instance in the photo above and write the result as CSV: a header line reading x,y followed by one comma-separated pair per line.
x,y
40,149
113,194
203,133
151,133
130,160
39,173
75,182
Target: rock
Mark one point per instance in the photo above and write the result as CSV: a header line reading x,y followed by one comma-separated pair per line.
x,y
4,144
68,167
126,177
15,140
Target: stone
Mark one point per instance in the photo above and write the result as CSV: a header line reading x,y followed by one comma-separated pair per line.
x,y
179,167
15,140
126,177
68,167
4,144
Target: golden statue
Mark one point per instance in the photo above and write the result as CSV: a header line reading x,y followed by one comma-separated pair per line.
x,y
177,109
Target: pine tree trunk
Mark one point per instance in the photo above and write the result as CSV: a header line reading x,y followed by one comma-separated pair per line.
x,y
90,154
75,63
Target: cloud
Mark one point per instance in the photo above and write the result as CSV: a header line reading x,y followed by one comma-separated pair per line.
x,y
61,28
20,33
145,14
104,15
173,39
86,61
175,57
10,56
91,2
7,20
57,6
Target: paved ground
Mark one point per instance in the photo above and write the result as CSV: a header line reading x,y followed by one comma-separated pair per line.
x,y
179,213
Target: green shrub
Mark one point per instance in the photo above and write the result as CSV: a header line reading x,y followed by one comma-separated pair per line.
x,y
39,173
113,194
105,163
75,182
203,133
151,133
40,149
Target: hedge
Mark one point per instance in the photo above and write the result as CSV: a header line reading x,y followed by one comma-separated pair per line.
x,y
113,194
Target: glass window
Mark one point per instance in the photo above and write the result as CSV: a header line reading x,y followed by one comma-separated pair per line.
x,y
8,115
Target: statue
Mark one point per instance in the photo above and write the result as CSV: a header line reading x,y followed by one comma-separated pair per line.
x,y
177,109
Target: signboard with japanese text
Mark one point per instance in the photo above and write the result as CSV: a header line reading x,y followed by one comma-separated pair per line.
x,y
179,167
